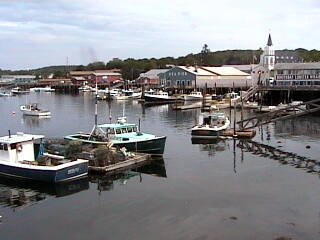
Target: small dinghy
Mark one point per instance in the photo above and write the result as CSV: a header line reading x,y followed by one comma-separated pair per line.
x,y
33,110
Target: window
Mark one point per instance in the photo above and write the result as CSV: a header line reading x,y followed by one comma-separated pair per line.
x,y
3,147
178,83
118,131
188,82
124,130
129,129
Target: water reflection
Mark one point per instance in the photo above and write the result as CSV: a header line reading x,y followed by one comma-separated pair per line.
x,y
108,182
211,145
283,157
19,193
34,121
302,126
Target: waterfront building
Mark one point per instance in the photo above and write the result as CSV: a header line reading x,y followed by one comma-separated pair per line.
x,y
17,78
99,76
152,78
189,77
297,74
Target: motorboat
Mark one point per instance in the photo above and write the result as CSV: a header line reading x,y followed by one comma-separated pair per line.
x,y
42,89
210,125
4,94
17,90
123,134
33,110
159,97
85,88
194,96
22,156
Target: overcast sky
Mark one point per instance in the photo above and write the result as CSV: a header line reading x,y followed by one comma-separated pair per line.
x,y
36,33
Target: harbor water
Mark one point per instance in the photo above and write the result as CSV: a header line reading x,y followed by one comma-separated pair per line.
x,y
222,189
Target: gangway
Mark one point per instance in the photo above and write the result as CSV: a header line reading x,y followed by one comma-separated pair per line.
x,y
281,114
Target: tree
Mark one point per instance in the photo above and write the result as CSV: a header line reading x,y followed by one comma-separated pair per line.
x,y
205,55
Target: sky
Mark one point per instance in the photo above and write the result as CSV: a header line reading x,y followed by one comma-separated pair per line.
x,y
38,33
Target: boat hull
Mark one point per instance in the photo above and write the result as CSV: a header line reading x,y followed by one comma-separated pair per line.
x,y
45,174
158,99
36,113
205,133
153,146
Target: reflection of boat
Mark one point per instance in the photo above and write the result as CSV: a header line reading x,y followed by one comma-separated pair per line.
x,y
22,157
23,193
123,134
33,110
155,168
210,125
210,145
85,88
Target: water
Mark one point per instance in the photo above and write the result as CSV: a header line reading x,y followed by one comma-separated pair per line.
x,y
220,190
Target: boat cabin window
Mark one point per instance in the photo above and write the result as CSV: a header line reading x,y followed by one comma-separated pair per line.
x,y
207,120
134,129
118,131
13,146
109,130
124,130
129,129
3,147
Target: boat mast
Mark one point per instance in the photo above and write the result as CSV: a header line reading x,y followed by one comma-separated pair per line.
x,y
96,107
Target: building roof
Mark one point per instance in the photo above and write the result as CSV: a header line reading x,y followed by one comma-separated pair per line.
x,y
243,67
225,71
297,66
153,73
106,74
196,70
269,43
80,73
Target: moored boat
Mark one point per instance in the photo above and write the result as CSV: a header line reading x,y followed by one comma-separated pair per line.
x,y
18,90
123,134
33,110
22,157
210,125
159,97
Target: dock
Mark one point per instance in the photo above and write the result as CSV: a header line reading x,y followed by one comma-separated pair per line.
x,y
138,159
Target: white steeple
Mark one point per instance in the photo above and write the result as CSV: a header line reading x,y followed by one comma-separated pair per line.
x,y
267,59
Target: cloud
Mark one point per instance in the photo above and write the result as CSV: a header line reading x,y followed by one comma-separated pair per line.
x,y
52,30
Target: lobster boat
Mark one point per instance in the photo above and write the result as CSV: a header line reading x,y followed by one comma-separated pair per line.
x,y
22,156
210,125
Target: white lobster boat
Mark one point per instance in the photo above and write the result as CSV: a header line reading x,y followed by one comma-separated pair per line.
x,y
22,157
210,125
33,110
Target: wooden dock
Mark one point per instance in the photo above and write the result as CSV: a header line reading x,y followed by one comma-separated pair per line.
x,y
137,160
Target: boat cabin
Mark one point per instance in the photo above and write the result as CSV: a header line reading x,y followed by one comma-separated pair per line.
x,y
18,148
212,119
118,128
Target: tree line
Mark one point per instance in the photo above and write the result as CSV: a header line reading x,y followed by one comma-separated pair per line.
x,y
131,68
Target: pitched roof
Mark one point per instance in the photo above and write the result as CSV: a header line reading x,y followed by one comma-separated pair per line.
x,y
196,70
225,71
153,73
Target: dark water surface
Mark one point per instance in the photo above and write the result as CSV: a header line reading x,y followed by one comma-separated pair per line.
x,y
220,190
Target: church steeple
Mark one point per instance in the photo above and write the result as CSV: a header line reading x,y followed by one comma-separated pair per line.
x,y
269,41
267,59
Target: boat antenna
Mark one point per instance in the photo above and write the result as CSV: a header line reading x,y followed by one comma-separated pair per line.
x,y
9,133
96,106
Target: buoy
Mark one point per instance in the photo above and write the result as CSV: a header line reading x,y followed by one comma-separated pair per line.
x,y
307,147
13,112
